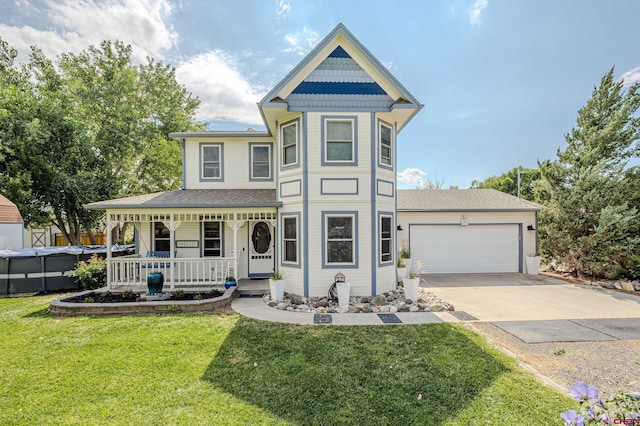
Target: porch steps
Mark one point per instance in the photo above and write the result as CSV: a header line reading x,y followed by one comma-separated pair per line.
x,y
252,288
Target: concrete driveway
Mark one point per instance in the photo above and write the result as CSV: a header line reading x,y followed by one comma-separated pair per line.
x,y
538,308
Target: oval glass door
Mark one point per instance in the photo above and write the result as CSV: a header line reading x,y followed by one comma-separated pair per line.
x,y
261,258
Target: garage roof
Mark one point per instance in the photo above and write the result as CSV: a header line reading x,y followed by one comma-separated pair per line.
x,y
9,212
445,200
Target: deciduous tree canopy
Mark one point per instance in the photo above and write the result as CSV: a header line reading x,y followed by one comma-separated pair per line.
x,y
87,127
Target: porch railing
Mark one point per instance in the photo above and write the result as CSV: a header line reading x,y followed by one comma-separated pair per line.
x,y
133,270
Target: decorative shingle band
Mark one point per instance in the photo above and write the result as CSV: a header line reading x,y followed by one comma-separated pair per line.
x,y
338,88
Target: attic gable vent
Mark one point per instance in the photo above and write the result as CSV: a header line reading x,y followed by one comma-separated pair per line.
x,y
339,52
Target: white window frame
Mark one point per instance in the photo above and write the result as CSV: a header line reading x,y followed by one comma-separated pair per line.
x,y
327,141
353,239
252,161
156,239
205,238
290,146
220,149
285,240
381,158
382,255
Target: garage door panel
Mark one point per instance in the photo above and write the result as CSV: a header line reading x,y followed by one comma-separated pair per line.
x,y
466,249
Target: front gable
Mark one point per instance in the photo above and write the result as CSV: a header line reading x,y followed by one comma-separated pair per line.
x,y
339,74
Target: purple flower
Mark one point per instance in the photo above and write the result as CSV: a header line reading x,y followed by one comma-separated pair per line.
x,y
605,418
582,392
633,415
572,417
591,414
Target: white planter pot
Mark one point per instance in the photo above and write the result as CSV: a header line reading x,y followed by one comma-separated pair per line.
x,y
402,272
277,289
411,288
343,294
533,265
407,264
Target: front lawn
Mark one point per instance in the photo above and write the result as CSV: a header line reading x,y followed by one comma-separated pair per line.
x,y
225,369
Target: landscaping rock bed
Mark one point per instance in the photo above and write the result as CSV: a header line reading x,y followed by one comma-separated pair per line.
x,y
130,297
391,302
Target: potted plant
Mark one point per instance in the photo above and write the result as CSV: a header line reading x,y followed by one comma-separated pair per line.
x,y
230,281
405,255
402,268
411,283
276,285
533,264
344,290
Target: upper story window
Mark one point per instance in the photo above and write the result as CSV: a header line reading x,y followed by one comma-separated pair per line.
x,y
339,141
385,133
289,144
211,167
260,161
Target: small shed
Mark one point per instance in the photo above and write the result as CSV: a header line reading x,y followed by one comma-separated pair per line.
x,y
11,225
467,230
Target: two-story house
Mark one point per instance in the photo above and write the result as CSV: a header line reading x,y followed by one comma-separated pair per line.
x,y
312,195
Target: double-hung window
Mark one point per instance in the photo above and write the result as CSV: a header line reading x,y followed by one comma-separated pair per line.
x,y
260,162
386,241
211,161
339,239
212,239
386,145
339,141
290,144
161,237
290,245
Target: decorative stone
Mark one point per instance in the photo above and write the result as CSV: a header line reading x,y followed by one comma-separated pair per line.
x,y
404,308
296,299
413,308
408,301
437,308
290,308
321,310
320,304
610,286
393,309
375,309
365,299
331,310
355,309
627,286
367,308
379,300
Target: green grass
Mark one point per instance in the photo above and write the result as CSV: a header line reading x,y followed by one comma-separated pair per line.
x,y
225,369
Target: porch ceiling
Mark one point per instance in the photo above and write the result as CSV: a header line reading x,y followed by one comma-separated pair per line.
x,y
194,198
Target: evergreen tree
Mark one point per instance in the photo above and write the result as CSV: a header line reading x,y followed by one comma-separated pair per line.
x,y
590,222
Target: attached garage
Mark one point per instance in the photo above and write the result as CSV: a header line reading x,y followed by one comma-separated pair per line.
x,y
467,230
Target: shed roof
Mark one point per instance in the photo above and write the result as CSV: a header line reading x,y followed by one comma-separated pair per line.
x,y
441,200
194,198
9,212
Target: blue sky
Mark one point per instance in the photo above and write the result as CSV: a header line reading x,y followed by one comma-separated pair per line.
x,y
501,81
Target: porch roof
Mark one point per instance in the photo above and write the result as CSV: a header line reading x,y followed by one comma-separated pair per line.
x,y
194,198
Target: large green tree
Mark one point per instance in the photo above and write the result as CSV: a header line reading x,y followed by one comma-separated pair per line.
x,y
591,222
508,182
89,127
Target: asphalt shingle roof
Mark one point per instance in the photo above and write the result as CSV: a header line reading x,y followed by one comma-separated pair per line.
x,y
9,212
194,198
461,200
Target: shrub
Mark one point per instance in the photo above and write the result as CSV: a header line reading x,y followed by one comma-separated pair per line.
x,y
92,273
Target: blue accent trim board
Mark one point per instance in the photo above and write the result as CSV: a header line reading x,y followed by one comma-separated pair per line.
x,y
339,52
296,122
374,268
211,179
323,121
338,88
284,263
305,205
393,188
322,180
292,195
260,179
356,258
379,144
391,262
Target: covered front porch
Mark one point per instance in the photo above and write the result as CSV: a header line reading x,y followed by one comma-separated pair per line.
x,y
195,238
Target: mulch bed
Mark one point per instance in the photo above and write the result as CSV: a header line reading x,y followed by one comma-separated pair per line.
x,y
108,297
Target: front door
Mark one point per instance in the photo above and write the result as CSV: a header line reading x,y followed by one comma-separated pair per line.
x,y
261,249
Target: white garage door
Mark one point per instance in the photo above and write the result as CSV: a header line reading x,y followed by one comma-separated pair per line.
x,y
466,249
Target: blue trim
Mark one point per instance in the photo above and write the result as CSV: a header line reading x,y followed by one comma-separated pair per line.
x,y
356,258
296,122
338,88
391,262
339,52
340,193
393,189
305,206
379,144
337,109
374,269
354,120
293,195
260,179
284,263
211,179
184,165
276,162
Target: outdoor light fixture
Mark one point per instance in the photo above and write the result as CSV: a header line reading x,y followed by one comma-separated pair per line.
x,y
399,228
530,228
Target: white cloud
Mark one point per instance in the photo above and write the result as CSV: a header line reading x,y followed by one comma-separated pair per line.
x,y
301,42
630,77
224,93
76,24
476,10
283,7
411,176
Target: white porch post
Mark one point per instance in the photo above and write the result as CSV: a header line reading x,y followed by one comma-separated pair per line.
x,y
110,226
235,224
173,225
